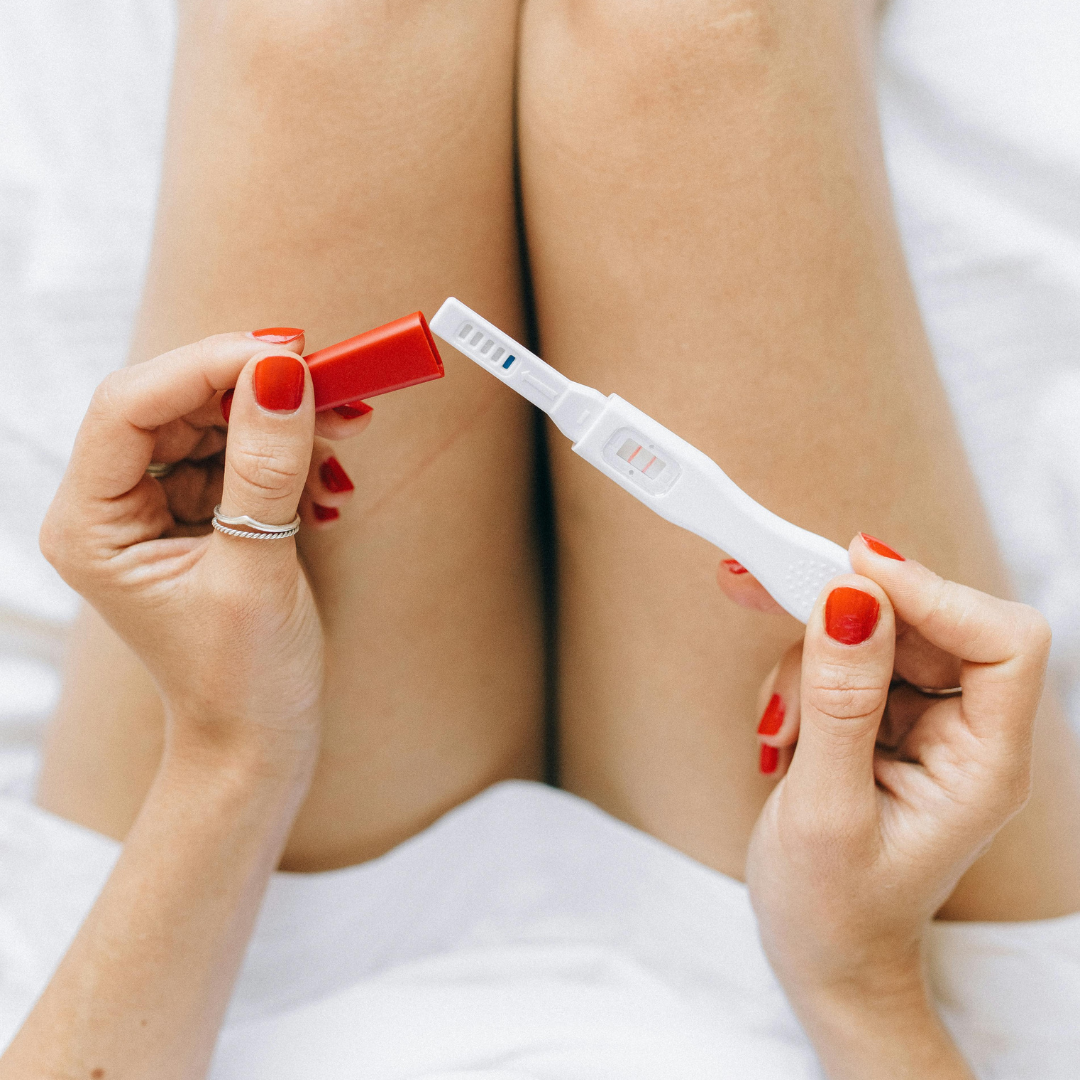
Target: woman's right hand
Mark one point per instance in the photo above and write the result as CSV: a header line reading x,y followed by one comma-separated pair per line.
x,y
859,845
226,626
918,663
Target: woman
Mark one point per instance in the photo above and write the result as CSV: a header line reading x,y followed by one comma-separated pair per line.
x,y
855,851
771,288
710,234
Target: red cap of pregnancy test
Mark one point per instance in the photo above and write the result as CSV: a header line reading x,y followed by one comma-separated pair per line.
x,y
391,357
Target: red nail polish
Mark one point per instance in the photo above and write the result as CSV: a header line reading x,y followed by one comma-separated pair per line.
x,y
773,717
334,477
850,615
226,404
770,758
279,383
732,566
878,548
325,513
278,335
351,410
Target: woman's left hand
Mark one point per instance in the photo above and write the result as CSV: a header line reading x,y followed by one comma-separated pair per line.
x,y
190,452
226,626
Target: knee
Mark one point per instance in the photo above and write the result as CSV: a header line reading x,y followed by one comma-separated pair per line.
x,y
319,32
678,43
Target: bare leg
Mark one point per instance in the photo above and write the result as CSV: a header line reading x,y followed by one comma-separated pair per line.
x,y
334,166
711,237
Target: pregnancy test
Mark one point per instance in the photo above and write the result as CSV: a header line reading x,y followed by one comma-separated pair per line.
x,y
401,353
666,473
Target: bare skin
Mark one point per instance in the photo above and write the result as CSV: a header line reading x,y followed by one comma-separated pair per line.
x,y
349,220
710,235
742,282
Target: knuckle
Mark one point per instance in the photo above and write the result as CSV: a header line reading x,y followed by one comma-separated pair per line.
x,y
109,395
234,603
845,693
59,542
1034,631
266,469
1015,780
248,607
1018,791
51,541
205,350
1010,794
944,607
996,789
808,830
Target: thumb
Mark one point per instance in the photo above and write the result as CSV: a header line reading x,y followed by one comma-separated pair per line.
x,y
271,431
847,667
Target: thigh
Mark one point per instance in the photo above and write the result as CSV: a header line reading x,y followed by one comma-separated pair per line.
x,y
334,165
711,236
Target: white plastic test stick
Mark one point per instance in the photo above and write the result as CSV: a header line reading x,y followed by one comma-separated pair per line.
x,y
666,473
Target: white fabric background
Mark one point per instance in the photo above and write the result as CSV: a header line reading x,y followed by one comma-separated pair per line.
x,y
83,88
981,118
527,934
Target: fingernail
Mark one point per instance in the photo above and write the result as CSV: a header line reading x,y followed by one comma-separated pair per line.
x,y
334,477
773,717
732,566
770,758
850,615
278,335
325,513
279,383
226,404
879,548
353,409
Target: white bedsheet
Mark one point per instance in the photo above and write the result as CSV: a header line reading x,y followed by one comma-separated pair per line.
x,y
981,118
527,934
83,89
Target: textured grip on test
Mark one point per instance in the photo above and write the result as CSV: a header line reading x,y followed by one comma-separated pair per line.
x,y
803,581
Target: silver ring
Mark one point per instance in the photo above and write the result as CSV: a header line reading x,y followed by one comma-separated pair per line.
x,y
160,469
933,691
252,529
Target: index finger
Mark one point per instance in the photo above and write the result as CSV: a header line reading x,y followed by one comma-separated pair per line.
x,y
1003,645
116,439
969,624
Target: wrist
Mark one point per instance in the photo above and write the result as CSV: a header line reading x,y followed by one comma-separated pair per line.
x,y
882,981
887,1029
250,759
243,804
